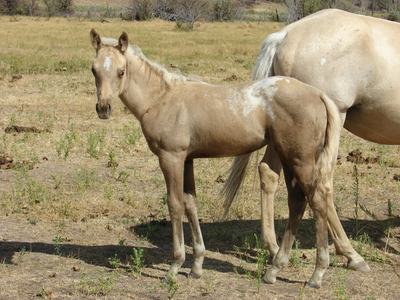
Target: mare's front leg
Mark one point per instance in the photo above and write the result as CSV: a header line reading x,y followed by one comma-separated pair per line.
x,y
297,204
172,166
189,195
269,169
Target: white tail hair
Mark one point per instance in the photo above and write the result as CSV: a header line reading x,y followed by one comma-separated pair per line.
x,y
263,67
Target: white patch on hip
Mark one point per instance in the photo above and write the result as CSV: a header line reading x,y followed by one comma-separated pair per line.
x,y
323,61
260,94
107,63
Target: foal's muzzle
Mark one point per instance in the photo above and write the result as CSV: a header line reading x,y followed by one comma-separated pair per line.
x,y
104,111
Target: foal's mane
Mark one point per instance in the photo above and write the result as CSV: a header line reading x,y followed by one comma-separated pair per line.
x,y
168,76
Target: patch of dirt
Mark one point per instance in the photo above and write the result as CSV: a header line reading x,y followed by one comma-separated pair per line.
x,y
7,163
23,129
356,157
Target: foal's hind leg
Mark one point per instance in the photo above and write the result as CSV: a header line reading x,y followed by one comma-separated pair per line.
x,y
189,197
297,204
269,169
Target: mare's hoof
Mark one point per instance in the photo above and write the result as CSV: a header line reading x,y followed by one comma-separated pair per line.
x,y
268,280
362,266
313,284
194,275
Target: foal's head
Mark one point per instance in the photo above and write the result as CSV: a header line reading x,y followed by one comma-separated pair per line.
x,y
108,68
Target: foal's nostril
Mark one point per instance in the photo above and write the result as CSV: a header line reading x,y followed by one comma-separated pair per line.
x,y
109,108
97,108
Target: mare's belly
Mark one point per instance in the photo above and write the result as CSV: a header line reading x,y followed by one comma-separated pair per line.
x,y
375,122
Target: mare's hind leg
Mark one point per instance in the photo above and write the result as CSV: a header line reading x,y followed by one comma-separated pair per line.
x,y
297,204
189,197
341,241
269,169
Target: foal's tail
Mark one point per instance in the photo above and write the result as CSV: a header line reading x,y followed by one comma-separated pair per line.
x,y
238,172
263,67
327,160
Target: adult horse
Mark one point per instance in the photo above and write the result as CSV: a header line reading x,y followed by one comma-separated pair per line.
x,y
184,119
354,59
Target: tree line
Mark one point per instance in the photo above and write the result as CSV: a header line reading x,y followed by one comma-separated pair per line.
x,y
186,12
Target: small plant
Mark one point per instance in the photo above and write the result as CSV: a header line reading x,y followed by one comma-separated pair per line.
x,y
356,186
262,258
137,261
339,285
122,245
108,192
84,178
57,244
295,256
87,285
114,261
21,254
43,293
123,176
96,142
131,132
65,144
57,181
172,286
112,163
240,285
208,280
33,221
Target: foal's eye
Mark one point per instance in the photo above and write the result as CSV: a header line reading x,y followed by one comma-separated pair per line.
x,y
121,73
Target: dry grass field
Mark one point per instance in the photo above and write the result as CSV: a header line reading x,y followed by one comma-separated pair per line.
x,y
83,211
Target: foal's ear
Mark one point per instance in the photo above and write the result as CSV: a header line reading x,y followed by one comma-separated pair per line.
x,y
95,39
123,42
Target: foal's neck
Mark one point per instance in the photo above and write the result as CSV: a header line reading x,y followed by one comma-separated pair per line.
x,y
143,87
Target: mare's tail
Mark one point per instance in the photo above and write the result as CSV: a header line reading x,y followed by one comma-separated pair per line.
x,y
262,69
264,65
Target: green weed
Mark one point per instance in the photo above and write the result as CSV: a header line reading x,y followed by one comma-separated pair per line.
x,y
339,285
172,286
66,142
294,258
131,132
96,142
104,284
57,244
137,261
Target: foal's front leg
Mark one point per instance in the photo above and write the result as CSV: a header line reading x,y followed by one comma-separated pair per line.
x,y
172,166
189,190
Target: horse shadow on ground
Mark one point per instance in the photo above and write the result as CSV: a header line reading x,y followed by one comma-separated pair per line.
x,y
238,238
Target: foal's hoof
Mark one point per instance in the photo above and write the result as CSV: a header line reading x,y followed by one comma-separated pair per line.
x,y
362,266
313,284
194,275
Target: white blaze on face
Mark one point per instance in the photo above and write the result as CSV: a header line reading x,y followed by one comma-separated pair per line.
x,y
107,63
323,61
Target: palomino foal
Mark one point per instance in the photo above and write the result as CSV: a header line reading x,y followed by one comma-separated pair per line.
x,y
184,119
